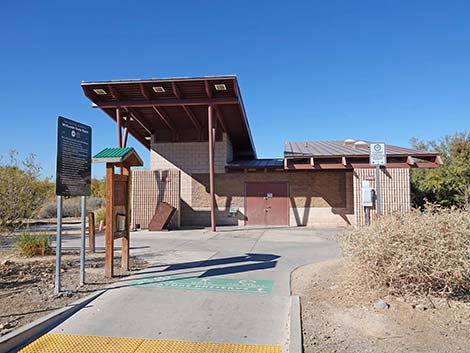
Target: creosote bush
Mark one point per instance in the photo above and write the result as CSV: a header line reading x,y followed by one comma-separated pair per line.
x,y
418,253
31,244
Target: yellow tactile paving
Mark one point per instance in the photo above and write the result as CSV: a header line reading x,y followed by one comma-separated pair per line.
x,y
58,343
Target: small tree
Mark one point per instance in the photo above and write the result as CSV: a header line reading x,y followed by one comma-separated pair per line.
x,y
21,191
448,185
98,188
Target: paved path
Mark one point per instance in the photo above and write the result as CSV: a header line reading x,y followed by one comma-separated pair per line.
x,y
232,286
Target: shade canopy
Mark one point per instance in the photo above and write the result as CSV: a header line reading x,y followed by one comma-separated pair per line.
x,y
175,109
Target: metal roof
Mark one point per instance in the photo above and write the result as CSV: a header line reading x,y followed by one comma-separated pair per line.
x,y
257,163
118,155
338,148
113,152
175,109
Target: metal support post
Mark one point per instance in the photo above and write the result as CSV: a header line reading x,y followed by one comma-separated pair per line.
x,y
82,241
58,245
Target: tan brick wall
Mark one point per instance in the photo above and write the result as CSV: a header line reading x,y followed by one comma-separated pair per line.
x,y
149,189
321,198
395,187
190,157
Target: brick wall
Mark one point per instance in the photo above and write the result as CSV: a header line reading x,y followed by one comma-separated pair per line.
x,y
321,198
149,189
190,157
395,187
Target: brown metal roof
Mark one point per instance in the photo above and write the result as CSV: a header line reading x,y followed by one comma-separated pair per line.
x,y
340,149
175,109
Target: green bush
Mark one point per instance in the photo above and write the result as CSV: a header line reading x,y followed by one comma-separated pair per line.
x,y
418,253
31,244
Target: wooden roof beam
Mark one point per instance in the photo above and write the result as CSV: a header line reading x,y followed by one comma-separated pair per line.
x,y
176,90
166,119
192,117
208,89
136,116
221,118
166,102
143,91
186,109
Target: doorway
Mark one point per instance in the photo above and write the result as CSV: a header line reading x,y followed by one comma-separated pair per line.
x,y
267,203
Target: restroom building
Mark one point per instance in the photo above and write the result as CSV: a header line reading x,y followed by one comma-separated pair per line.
x,y
203,161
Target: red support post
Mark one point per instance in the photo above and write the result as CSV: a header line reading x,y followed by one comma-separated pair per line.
x,y
118,121
210,135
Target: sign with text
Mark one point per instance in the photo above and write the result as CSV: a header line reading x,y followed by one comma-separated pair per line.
x,y
73,174
377,154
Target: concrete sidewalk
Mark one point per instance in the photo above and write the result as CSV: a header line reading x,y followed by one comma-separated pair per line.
x,y
232,286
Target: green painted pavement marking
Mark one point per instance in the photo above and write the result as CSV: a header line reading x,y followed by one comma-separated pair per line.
x,y
208,284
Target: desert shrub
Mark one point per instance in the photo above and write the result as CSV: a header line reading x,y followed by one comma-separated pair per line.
x,y
418,253
70,207
100,215
21,191
31,244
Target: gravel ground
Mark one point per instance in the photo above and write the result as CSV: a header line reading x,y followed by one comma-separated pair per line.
x,y
337,316
27,284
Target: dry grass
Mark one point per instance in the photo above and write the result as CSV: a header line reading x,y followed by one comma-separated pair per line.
x,y
31,244
418,253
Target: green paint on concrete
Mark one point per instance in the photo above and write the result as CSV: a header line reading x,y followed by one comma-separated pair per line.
x,y
207,284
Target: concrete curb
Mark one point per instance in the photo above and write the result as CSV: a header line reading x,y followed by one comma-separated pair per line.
x,y
19,338
295,334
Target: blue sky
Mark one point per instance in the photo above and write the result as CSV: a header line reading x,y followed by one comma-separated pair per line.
x,y
308,70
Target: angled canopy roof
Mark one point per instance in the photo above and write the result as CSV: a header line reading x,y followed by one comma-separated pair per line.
x,y
175,109
119,156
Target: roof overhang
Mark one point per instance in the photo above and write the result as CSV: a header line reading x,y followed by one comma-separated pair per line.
x,y
175,109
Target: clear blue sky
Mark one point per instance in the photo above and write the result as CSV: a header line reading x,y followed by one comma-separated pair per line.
x,y
308,70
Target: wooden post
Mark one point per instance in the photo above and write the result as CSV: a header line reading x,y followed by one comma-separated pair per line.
x,y
125,237
210,136
91,232
109,255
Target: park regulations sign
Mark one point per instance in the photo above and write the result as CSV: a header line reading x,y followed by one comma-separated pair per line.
x,y
73,174
377,154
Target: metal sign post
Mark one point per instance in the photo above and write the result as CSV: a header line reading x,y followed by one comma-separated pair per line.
x,y
73,178
379,193
58,245
82,242
378,157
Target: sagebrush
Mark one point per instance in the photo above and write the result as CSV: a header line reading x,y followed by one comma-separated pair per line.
x,y
418,253
33,244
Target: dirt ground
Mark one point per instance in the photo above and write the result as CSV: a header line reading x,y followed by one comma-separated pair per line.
x,y
27,284
338,317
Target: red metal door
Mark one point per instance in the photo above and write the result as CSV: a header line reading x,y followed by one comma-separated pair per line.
x,y
266,204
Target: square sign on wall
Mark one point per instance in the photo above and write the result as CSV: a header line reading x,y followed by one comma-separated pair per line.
x,y
377,154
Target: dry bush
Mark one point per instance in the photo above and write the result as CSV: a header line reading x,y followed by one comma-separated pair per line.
x,y
71,207
33,244
418,253
100,215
